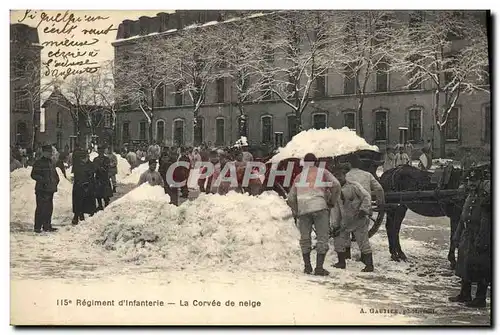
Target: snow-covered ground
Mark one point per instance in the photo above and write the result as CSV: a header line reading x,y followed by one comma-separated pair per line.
x,y
220,247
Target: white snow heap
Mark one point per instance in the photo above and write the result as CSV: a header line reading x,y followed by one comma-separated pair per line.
x,y
23,199
235,231
133,178
323,143
243,141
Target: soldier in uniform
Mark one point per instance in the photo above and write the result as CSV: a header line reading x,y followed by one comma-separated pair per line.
x,y
46,177
473,237
369,183
103,190
310,204
83,197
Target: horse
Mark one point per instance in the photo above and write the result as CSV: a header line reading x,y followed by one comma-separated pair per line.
x,y
408,178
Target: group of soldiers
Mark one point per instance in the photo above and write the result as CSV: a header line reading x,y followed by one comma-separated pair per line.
x,y
94,184
217,157
340,209
343,208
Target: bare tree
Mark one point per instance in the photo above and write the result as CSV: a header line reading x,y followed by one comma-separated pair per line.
x,y
360,44
192,60
142,71
240,47
295,56
448,49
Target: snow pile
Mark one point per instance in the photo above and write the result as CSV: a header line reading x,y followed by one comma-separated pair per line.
x,y
323,143
23,199
225,232
133,178
93,155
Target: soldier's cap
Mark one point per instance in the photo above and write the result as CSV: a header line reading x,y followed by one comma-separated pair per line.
x,y
47,148
342,167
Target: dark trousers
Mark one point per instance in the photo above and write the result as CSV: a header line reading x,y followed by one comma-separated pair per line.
x,y
44,209
99,203
173,193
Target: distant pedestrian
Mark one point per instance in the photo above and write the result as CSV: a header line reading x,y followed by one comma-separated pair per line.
x,y
389,159
409,149
113,168
103,190
83,195
131,158
151,176
46,177
402,157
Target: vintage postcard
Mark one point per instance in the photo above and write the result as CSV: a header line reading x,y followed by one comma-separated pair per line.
x,y
250,167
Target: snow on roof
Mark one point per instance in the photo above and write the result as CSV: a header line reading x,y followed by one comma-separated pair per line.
x,y
327,142
196,25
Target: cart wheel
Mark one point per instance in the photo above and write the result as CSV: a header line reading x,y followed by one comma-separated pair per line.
x,y
376,221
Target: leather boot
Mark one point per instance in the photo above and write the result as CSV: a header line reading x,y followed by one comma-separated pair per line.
x,y
480,299
82,217
75,220
348,253
307,263
464,295
341,263
368,261
320,271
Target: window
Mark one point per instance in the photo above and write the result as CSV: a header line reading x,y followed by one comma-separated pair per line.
x,y
415,75
452,125
455,30
487,124
415,125
292,126
320,91
126,132
349,80
107,120
142,130
160,131
450,69
22,133
350,120
220,90
243,125
178,132
415,23
178,95
58,120
266,90
219,131
20,101
380,126
267,129
59,141
382,80
198,131
319,121
20,66
160,96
